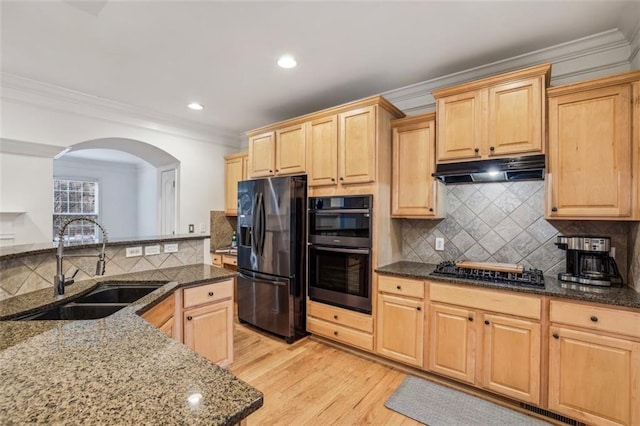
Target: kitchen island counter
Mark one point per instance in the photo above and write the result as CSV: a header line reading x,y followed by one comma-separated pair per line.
x,y
115,370
619,296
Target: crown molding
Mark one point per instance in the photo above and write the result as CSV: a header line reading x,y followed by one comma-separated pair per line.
x,y
23,90
32,149
595,55
635,44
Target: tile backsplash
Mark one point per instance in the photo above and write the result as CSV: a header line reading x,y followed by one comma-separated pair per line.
x,y
29,273
504,222
222,228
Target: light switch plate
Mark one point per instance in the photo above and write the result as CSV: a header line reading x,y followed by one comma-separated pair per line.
x,y
133,251
171,248
151,250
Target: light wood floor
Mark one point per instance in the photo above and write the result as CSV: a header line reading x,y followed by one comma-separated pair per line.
x,y
312,383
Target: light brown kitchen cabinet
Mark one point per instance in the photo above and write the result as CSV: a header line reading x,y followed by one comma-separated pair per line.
x,y
487,338
499,116
278,152
162,315
594,363
322,151
594,160
414,192
207,318
235,170
342,325
400,320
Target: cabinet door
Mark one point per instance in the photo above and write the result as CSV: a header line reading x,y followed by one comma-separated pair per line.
x,y
167,327
594,378
233,173
590,154
516,117
357,146
290,150
413,192
262,155
209,331
400,329
460,121
452,342
511,357
322,151
161,315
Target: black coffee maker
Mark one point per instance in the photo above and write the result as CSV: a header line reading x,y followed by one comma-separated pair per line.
x,y
588,261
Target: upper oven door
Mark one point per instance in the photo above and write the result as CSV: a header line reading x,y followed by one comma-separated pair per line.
x,y
348,227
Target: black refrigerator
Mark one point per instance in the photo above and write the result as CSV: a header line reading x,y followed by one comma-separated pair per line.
x,y
271,285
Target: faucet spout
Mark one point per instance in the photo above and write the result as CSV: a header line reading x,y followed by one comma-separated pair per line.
x,y
59,279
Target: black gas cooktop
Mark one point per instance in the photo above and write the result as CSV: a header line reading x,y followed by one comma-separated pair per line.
x,y
528,277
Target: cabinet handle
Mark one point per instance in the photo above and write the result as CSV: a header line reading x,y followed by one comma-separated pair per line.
x,y
594,318
492,148
554,209
556,336
335,333
470,318
419,308
398,287
210,293
333,179
270,171
189,318
430,209
341,178
335,317
487,322
476,150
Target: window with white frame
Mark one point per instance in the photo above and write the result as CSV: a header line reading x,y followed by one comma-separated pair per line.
x,y
75,198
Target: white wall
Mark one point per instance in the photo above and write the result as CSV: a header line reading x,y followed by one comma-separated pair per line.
x,y
118,191
147,202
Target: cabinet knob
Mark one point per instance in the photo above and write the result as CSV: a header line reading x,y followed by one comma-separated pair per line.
x,y
277,170
430,209
492,148
477,150
487,322
398,287
554,209
556,336
270,171
335,317
333,179
470,318
210,293
189,318
419,308
335,333
594,318
341,178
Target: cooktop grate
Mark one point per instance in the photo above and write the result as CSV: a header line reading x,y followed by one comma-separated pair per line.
x,y
528,277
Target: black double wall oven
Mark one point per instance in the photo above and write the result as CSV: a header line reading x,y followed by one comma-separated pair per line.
x,y
340,251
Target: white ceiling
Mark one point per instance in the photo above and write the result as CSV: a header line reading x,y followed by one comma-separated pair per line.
x,y
161,55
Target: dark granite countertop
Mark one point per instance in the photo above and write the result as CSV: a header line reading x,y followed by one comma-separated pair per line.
x,y
619,296
12,252
115,370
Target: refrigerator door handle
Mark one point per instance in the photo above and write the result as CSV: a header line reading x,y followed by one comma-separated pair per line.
x,y
254,222
263,279
263,224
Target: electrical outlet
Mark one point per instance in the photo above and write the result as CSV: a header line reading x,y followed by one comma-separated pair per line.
x,y
203,228
171,248
151,250
440,244
612,252
191,228
133,251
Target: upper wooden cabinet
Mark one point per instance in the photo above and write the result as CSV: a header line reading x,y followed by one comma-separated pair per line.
x,y
235,170
322,151
414,192
357,148
277,152
594,160
493,117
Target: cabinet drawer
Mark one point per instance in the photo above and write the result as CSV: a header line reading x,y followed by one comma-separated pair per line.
x,y
401,286
595,317
207,293
487,300
216,260
342,334
230,260
341,316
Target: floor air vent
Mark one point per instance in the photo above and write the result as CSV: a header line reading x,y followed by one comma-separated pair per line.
x,y
551,415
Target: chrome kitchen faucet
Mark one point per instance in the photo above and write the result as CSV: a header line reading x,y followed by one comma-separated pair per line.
x,y
59,280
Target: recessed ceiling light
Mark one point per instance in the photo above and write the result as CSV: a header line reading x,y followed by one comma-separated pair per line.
x,y
196,106
287,61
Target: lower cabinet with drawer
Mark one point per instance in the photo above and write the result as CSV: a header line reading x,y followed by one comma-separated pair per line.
x,y
594,363
207,316
487,338
400,319
342,325
162,315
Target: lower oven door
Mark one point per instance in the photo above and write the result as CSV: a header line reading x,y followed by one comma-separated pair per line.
x,y
340,276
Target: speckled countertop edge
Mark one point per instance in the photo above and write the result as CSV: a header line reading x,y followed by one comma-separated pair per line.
x,y
115,370
618,296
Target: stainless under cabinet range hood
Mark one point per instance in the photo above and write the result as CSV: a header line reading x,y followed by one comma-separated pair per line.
x,y
530,167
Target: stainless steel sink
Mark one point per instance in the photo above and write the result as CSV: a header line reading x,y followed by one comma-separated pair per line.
x,y
101,302
117,293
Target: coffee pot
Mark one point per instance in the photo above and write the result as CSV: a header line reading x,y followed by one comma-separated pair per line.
x,y
588,261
